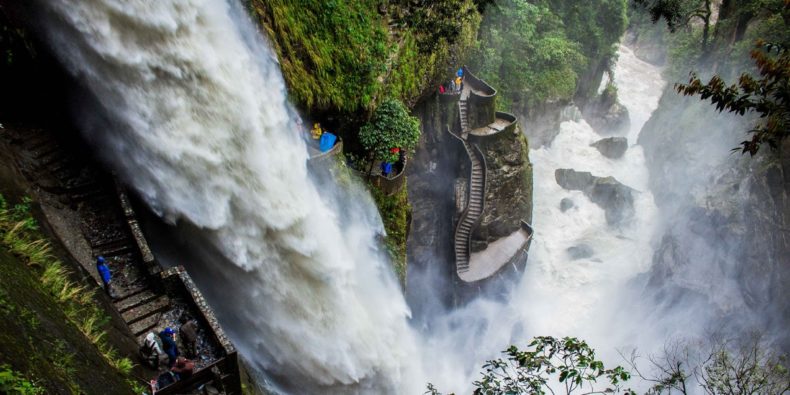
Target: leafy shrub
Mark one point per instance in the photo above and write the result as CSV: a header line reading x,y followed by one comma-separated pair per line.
x,y
390,127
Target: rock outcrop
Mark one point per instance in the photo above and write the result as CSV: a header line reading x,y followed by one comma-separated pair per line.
x,y
728,239
509,191
606,114
611,147
615,198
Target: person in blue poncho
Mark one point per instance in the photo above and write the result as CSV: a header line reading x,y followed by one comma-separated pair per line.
x,y
327,141
169,345
106,275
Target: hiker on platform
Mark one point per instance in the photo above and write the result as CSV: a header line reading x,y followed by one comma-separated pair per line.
x,y
183,368
169,345
316,132
188,333
106,275
151,351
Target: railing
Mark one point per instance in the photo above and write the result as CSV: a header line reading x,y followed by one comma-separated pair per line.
x,y
470,150
337,148
389,185
482,192
478,85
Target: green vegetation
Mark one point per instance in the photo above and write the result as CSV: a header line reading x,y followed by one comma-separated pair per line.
x,y
569,361
768,96
14,383
45,297
343,55
541,51
330,52
725,44
717,367
390,127
433,36
395,211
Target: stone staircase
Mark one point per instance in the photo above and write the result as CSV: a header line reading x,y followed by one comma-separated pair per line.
x,y
474,209
73,181
462,113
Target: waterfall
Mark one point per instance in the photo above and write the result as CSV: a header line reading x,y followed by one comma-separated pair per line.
x,y
190,108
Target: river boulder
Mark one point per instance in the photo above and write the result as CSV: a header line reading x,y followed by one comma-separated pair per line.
x,y
611,147
616,199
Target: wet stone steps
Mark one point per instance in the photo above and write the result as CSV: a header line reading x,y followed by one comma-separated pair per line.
x,y
134,314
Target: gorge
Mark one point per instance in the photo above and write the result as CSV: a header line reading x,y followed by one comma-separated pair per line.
x,y
671,238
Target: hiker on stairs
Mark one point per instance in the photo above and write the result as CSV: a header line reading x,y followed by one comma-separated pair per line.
x,y
106,275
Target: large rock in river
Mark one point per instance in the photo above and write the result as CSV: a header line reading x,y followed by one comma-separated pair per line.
x,y
611,147
615,198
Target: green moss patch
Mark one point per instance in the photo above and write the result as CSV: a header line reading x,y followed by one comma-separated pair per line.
x,y
395,211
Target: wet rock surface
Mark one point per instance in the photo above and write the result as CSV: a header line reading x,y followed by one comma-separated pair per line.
x,y
611,147
508,198
580,251
566,204
607,115
615,198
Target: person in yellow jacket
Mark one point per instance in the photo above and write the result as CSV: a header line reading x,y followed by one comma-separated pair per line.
x,y
316,132
459,82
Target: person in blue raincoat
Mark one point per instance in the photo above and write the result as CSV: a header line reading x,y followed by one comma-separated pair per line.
x,y
169,345
106,275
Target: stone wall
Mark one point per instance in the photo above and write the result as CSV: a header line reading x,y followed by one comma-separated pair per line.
x,y
509,186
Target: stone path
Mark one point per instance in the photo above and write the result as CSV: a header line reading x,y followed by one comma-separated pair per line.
x,y
74,183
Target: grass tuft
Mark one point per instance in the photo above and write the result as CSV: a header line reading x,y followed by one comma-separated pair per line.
x,y
20,234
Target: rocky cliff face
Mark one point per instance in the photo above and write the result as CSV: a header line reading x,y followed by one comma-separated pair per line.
x,y
509,188
726,237
432,172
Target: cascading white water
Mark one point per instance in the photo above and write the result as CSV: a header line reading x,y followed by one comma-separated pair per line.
x,y
574,296
193,115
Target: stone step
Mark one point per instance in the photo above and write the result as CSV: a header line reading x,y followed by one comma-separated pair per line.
x,y
140,312
131,292
135,300
112,245
142,327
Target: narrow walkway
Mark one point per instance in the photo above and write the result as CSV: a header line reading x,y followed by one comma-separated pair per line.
x,y
462,110
74,183
474,209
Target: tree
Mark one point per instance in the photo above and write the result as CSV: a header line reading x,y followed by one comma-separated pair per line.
x,y
568,361
523,50
719,367
679,13
390,127
767,95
